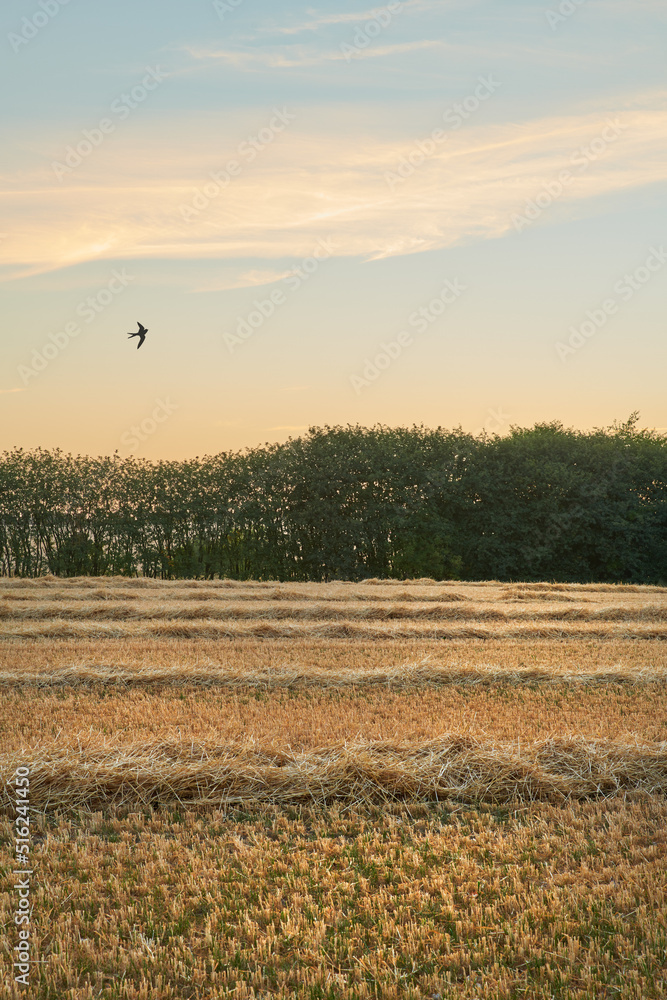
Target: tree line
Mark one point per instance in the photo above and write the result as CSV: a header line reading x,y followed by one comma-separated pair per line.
x,y
348,503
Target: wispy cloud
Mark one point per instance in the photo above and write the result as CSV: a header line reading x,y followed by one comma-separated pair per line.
x,y
321,20
318,184
3,392
290,57
249,279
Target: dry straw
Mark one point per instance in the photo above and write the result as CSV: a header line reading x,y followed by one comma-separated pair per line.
x,y
310,630
396,677
325,611
117,608
89,775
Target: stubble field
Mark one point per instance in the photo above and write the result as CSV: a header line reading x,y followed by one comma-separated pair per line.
x,y
336,791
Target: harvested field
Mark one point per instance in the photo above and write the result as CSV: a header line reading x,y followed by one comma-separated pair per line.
x,y
339,791
329,663
114,609
394,902
290,629
308,718
90,776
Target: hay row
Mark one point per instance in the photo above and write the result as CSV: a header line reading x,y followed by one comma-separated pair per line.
x,y
547,587
326,592
149,583
323,592
295,629
537,595
88,776
321,611
401,677
141,583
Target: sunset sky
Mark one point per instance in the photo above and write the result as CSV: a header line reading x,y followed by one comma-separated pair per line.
x,y
449,213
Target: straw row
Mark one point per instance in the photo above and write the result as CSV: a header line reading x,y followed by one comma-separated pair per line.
x,y
399,677
295,629
362,772
316,592
321,611
149,583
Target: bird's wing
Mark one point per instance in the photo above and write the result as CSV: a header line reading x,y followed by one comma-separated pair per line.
x,y
142,328
142,337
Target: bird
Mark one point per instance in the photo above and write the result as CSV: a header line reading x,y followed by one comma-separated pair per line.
x,y
141,334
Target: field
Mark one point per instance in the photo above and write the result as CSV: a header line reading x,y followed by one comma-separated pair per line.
x,y
382,789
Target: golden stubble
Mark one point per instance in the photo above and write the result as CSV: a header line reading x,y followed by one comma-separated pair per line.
x,y
448,901
381,835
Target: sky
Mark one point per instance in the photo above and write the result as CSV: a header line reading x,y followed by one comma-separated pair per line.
x,y
428,212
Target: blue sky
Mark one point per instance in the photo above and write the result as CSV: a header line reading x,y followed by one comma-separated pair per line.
x,y
364,158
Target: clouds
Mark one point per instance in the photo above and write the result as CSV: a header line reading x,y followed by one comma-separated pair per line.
x,y
317,20
355,34
243,279
298,57
345,17
210,206
314,183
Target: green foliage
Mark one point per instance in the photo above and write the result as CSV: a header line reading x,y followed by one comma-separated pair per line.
x,y
350,503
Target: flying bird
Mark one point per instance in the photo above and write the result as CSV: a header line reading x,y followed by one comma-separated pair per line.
x,y
141,334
